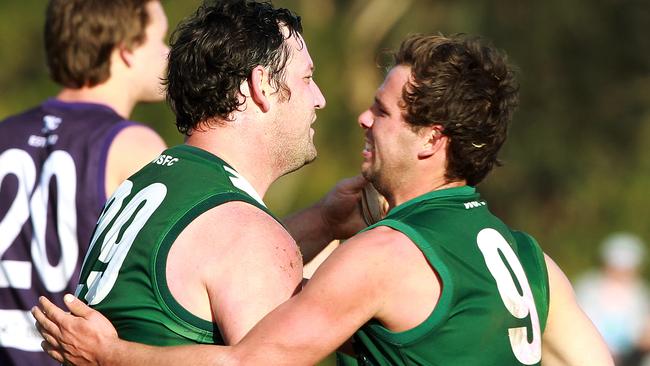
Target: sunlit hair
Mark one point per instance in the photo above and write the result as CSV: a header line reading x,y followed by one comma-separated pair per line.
x,y
467,87
215,50
80,36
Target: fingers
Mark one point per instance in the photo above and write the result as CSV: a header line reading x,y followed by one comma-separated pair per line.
x,y
51,311
44,323
47,336
77,307
52,351
354,184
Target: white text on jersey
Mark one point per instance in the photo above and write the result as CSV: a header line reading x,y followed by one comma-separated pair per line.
x,y
474,204
165,160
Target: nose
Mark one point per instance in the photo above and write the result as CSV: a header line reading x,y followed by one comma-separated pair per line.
x,y
319,99
365,119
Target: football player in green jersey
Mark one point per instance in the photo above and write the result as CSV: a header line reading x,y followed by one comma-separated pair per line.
x,y
439,281
186,251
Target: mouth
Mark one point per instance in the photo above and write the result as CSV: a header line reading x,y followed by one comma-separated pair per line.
x,y
311,128
368,149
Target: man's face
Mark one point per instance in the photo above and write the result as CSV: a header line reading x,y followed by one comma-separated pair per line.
x,y
150,57
390,142
292,133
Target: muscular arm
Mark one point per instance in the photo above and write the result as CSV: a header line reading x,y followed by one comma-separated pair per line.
x,y
132,148
235,277
233,264
345,292
569,338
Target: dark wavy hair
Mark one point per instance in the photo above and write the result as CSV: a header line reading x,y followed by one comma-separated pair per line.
x,y
467,87
80,36
215,50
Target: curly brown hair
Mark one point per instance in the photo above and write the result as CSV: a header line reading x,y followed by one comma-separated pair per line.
x,y
214,51
467,87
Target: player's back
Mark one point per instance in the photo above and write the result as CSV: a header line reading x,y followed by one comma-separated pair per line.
x,y
52,176
125,276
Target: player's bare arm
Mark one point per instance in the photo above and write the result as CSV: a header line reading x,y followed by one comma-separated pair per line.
x,y
132,148
233,277
349,289
356,283
235,291
570,338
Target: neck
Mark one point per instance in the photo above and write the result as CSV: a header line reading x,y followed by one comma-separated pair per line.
x,y
121,102
407,192
240,151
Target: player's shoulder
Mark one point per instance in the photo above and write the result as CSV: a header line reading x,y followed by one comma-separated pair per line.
x,y
371,263
244,222
131,149
25,116
555,273
136,136
380,236
381,242
243,229
233,211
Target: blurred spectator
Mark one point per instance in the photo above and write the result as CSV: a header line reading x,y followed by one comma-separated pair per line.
x,y
615,297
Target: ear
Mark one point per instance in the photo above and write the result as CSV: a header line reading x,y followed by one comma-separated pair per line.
x,y
258,86
125,54
433,141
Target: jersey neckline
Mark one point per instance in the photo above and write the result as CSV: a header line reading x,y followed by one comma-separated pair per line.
x,y
77,105
230,170
447,192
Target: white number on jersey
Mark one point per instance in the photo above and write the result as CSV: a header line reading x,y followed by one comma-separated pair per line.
x,y
59,165
490,242
113,253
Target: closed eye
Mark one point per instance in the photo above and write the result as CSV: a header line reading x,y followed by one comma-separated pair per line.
x,y
378,110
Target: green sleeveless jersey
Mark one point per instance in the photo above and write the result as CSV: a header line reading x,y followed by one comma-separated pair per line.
x,y
494,297
124,275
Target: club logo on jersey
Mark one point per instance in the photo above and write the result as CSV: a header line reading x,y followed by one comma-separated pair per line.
x,y
165,160
50,123
474,204
42,141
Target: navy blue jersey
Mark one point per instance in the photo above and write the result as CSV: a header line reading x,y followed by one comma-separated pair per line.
x,y
52,177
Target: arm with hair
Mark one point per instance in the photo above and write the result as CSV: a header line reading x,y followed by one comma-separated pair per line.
x,y
570,338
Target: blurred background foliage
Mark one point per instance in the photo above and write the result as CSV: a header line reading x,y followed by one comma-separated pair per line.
x,y
577,161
